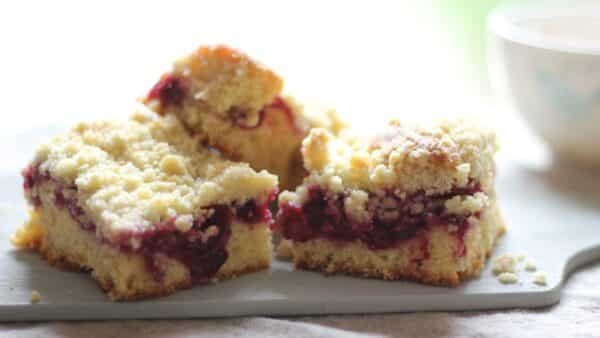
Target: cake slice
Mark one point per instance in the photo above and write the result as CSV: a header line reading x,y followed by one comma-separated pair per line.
x,y
145,208
413,203
236,105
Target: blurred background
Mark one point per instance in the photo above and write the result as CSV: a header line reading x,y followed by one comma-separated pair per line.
x,y
67,61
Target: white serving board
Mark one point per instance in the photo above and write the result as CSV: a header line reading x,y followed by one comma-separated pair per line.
x,y
551,216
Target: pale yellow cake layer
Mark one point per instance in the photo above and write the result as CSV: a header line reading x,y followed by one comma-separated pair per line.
x,y
123,275
443,267
273,146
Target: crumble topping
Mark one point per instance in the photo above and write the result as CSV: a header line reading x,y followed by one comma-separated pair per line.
x,y
356,206
184,223
132,174
467,204
314,149
434,158
217,79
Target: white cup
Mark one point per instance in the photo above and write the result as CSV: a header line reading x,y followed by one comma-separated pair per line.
x,y
545,60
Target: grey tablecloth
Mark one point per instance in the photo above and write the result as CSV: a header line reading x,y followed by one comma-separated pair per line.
x,y
577,315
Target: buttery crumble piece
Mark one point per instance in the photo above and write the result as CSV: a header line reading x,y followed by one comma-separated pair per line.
x,y
35,297
508,278
512,263
414,202
530,266
505,263
539,278
145,207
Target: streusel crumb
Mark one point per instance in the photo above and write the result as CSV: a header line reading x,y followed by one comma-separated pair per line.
x,y
434,158
539,278
508,278
136,173
504,263
35,297
530,265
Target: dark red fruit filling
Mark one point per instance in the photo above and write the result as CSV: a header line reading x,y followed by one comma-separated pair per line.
x,y
393,220
202,254
170,90
203,257
250,212
31,177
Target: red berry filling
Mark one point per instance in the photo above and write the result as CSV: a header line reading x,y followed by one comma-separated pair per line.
x,y
170,90
203,249
392,219
31,177
203,255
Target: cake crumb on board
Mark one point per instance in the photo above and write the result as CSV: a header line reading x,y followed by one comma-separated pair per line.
x,y
508,278
35,297
507,266
539,278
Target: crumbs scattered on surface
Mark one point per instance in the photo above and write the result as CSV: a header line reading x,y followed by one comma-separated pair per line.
x,y
35,297
530,265
539,278
505,263
506,267
508,278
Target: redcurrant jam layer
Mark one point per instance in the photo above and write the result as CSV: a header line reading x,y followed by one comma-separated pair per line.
x,y
202,249
170,90
393,218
